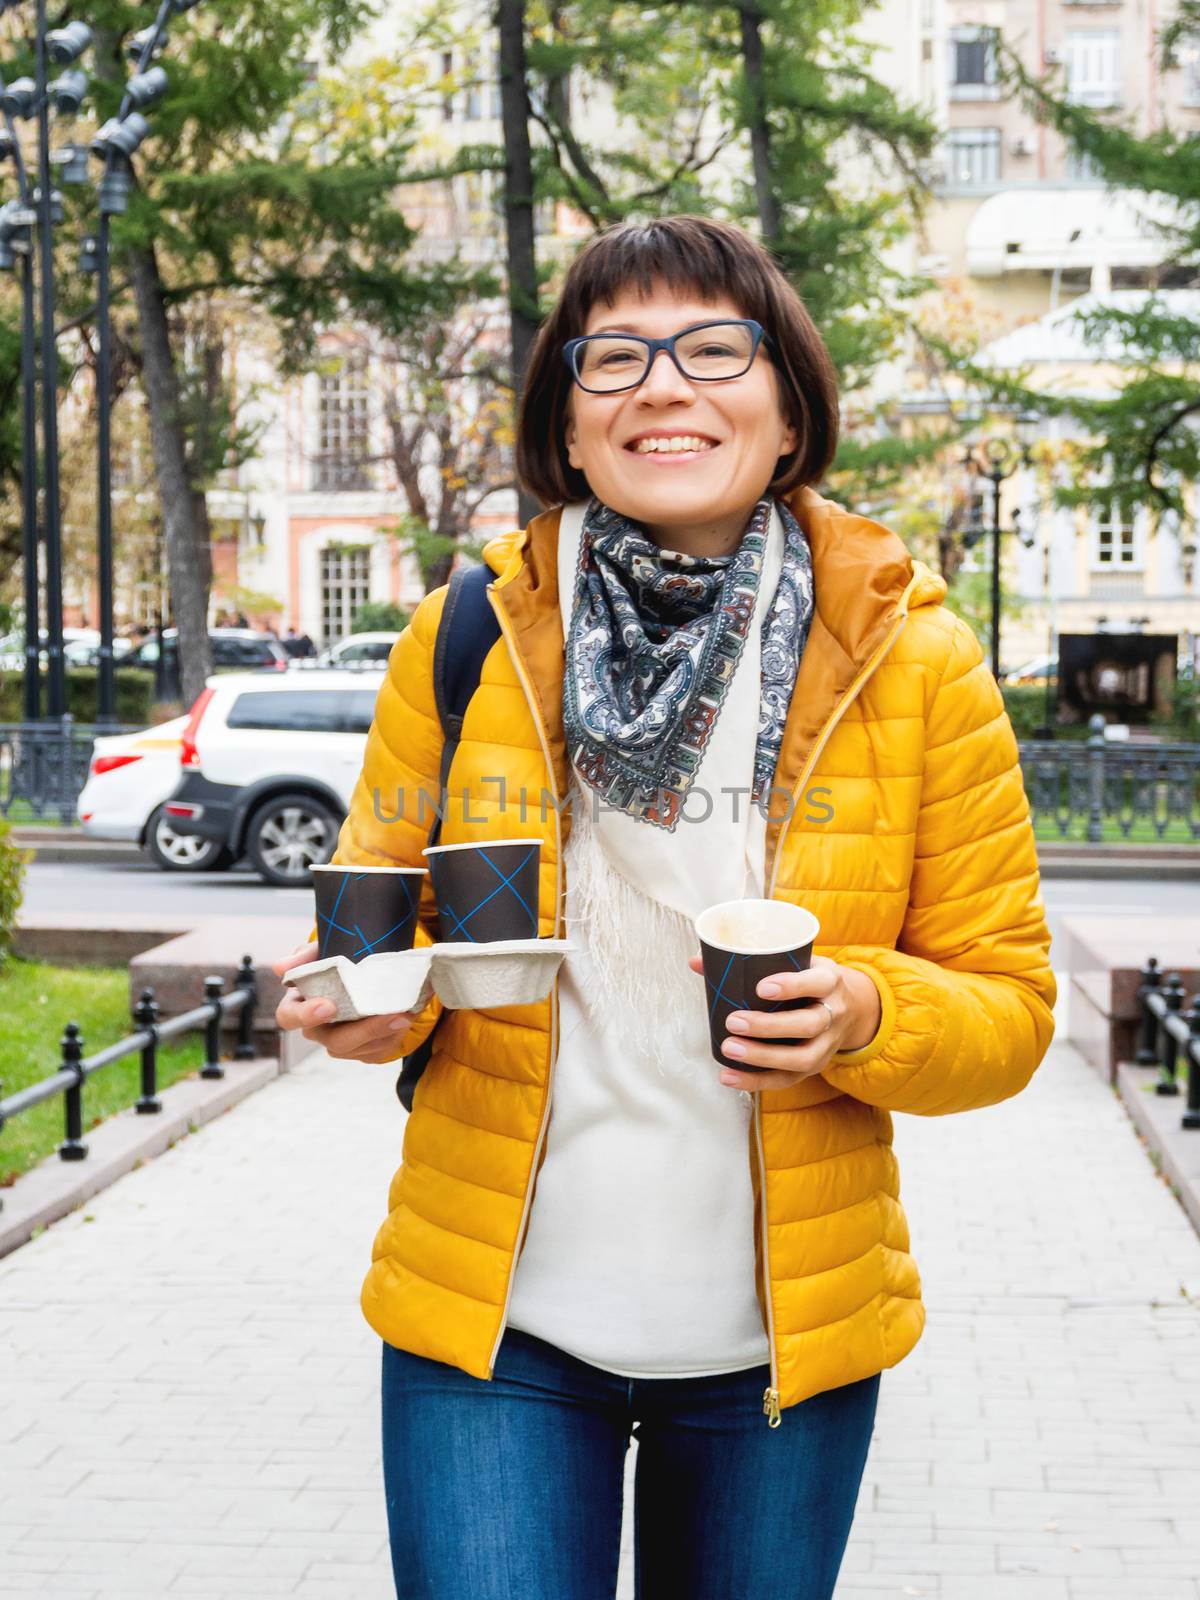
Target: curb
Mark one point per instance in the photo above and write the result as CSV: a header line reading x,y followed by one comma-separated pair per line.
x,y
1176,1150
72,844
96,854
1140,871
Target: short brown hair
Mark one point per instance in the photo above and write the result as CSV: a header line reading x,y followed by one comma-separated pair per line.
x,y
709,258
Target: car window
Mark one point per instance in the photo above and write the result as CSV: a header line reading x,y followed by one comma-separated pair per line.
x,y
359,709
304,710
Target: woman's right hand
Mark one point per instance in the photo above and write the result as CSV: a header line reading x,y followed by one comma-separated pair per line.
x,y
373,1039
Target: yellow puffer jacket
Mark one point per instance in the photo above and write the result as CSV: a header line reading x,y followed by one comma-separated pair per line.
x,y
909,837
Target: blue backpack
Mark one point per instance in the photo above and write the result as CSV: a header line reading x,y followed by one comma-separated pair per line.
x,y
467,631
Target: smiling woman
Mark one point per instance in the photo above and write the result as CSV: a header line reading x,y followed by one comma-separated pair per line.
x,y
594,1229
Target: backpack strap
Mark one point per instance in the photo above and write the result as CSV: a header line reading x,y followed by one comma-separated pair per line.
x,y
466,632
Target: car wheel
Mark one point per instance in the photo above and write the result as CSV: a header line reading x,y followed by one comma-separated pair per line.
x,y
181,852
288,835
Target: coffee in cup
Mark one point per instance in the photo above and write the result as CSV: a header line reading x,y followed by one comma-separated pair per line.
x,y
742,942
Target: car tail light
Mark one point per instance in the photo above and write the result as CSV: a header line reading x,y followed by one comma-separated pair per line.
x,y
110,764
280,666
189,756
181,808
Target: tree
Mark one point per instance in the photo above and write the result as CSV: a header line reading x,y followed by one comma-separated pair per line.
x,y
254,184
690,83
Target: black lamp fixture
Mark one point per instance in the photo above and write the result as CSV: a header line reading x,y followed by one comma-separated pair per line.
x,y
998,459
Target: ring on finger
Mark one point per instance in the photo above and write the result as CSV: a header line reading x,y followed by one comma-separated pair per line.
x,y
828,1013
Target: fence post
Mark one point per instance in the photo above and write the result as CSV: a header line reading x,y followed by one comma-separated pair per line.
x,y
1147,1050
1173,995
212,1067
246,980
145,1015
1191,1117
1095,824
66,771
73,1147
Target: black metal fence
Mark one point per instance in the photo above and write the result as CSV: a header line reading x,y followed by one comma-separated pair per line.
x,y
76,1068
1147,792
1083,790
43,766
1170,1028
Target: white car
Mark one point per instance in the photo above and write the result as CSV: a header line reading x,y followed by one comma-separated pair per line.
x,y
268,765
130,777
358,650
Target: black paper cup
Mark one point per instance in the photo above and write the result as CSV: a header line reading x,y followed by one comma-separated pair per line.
x,y
366,911
486,891
743,942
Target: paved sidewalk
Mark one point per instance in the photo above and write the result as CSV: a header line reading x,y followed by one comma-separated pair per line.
x,y
189,1394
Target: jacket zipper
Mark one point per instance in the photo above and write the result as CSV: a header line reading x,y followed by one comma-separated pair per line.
x,y
771,1395
502,619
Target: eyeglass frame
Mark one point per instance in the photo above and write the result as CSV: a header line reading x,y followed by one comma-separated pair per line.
x,y
759,333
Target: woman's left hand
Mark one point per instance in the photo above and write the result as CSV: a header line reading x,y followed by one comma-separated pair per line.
x,y
846,1018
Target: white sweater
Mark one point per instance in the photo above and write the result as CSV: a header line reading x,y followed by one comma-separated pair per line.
x,y
640,1252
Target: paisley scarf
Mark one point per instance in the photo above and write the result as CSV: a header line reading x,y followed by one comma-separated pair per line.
x,y
654,639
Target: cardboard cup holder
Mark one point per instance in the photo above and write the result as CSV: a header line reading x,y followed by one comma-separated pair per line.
x,y
465,977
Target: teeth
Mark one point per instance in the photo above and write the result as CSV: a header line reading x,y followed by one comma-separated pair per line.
x,y
672,444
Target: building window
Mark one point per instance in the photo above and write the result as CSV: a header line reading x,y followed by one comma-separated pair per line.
x,y
1093,66
1114,541
474,86
345,588
973,157
342,428
973,64
447,95
497,110
1188,57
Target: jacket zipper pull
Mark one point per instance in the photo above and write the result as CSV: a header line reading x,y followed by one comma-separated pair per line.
x,y
771,1407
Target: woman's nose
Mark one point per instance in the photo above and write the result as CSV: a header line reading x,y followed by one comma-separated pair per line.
x,y
664,377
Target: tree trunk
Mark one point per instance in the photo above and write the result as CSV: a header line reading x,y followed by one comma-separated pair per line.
x,y
184,511
518,206
756,122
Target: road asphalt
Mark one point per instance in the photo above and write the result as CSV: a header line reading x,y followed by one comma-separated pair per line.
x,y
84,886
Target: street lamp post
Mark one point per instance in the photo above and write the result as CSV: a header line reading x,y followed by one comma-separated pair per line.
x,y
16,243
41,207
997,460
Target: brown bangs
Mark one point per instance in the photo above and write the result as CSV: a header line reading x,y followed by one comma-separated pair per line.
x,y
708,259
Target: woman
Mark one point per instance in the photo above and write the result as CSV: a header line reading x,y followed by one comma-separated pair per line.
x,y
710,683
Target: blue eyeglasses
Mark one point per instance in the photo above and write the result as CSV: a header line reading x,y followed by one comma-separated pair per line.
x,y
706,352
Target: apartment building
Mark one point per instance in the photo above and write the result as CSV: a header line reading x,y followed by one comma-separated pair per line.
x,y
1019,214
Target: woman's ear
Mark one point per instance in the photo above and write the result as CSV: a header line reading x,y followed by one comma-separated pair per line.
x,y
570,441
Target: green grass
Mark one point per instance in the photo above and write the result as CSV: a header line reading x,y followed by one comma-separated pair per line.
x,y
36,1002
1142,832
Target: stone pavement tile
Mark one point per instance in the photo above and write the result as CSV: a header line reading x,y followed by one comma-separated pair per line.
x,y
25,1583
1095,1560
204,1584
1160,1589
379,1587
1001,1587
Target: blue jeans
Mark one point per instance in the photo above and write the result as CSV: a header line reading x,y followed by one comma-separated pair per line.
x,y
511,1488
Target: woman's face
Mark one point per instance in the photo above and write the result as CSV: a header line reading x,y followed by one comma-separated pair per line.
x,y
696,501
